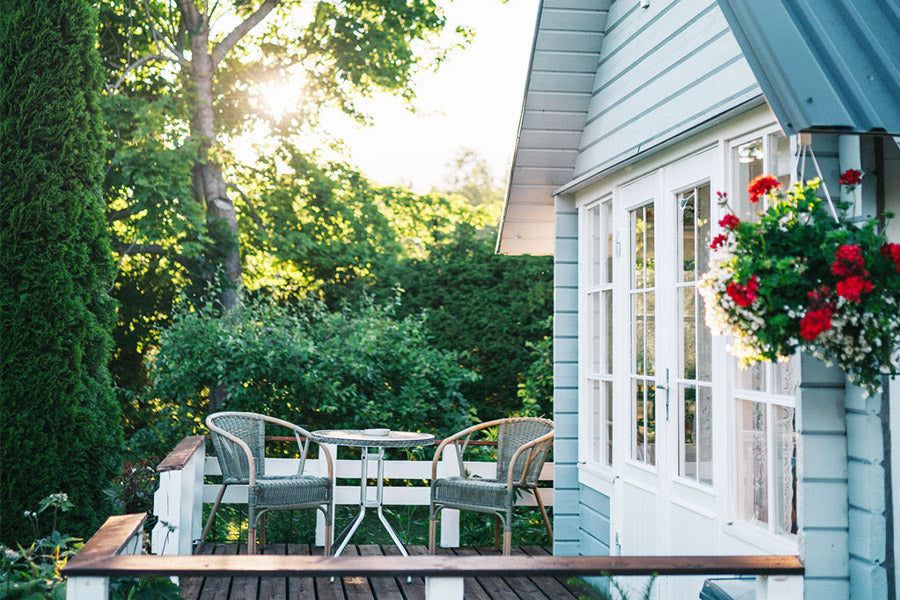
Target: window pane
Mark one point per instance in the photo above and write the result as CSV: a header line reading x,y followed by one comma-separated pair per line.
x,y
688,333
649,263
637,416
686,200
704,342
752,378
596,417
752,464
650,326
703,229
595,251
650,412
607,223
785,517
607,385
595,324
688,446
637,247
637,317
783,378
780,159
748,165
703,435
608,314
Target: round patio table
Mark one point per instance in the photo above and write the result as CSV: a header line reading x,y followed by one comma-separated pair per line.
x,y
372,442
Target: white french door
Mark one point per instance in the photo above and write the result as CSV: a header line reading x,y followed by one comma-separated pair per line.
x,y
665,496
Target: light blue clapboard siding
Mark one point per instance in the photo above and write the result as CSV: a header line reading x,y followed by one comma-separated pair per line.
x,y
822,505
867,495
566,516
662,71
594,525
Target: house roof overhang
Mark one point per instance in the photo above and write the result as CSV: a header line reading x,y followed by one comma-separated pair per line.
x,y
564,58
824,65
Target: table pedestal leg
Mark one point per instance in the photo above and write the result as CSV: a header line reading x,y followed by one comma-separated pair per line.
x,y
344,538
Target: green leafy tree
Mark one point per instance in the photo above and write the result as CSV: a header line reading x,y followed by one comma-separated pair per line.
x,y
204,72
59,419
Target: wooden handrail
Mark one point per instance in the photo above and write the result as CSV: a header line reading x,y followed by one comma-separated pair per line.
x,y
100,557
179,456
431,566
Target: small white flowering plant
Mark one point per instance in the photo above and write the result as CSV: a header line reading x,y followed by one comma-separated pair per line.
x,y
803,279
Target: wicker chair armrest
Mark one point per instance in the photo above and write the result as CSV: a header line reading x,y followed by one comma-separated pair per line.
x,y
241,443
544,439
303,432
456,436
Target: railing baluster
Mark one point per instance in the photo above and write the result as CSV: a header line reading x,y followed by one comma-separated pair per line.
x,y
450,516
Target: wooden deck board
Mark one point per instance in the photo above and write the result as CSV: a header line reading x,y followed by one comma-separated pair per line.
x,y
367,588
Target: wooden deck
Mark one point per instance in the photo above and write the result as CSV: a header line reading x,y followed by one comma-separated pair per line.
x,y
377,588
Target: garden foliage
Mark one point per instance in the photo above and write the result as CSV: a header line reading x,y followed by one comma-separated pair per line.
x,y
320,369
59,421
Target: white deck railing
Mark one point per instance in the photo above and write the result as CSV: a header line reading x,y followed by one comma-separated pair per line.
x,y
178,503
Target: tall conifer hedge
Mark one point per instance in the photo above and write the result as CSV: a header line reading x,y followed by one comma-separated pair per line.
x,y
59,421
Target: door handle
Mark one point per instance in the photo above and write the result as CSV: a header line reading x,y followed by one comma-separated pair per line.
x,y
665,387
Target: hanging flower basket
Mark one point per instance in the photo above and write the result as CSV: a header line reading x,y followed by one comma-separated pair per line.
x,y
801,278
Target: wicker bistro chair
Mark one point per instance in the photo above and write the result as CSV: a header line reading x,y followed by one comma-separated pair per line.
x,y
522,447
239,442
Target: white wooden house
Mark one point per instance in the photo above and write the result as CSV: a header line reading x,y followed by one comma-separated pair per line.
x,y
636,113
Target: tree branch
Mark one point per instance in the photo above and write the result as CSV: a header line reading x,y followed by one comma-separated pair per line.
x,y
162,41
155,249
141,61
223,47
253,214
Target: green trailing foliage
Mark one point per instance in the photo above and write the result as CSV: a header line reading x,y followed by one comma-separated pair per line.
x,y
320,369
59,421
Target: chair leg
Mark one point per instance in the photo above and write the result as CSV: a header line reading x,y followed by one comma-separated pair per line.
x,y
251,540
432,533
496,532
328,539
212,515
507,533
540,502
262,532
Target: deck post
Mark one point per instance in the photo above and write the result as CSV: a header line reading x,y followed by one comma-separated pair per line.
x,y
773,587
87,588
449,516
179,500
323,472
444,588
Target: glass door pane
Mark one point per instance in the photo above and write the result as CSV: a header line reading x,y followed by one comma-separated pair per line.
x,y
643,338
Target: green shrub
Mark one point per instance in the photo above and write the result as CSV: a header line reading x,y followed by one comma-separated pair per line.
x,y
59,421
319,369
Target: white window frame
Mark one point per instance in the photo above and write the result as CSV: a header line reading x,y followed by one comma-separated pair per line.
x,y
594,414
768,396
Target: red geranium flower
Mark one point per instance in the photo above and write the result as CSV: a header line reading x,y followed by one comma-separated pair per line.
x,y
821,297
718,241
814,323
851,177
892,251
743,295
849,262
729,221
852,287
761,186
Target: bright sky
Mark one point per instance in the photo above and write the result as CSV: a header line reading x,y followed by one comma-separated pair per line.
x,y
473,100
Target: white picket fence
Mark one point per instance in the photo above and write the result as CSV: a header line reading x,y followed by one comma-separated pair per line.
x,y
178,501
